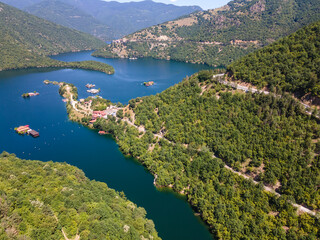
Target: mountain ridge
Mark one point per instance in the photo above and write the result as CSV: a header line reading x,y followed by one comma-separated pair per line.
x,y
120,18
290,64
219,36
27,41
71,17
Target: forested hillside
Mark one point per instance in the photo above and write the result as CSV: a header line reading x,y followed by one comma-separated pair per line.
x,y
196,127
291,64
123,18
220,36
41,200
71,17
26,41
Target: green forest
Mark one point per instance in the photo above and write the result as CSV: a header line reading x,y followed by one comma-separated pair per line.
x,y
63,13
206,125
218,37
26,41
291,64
39,200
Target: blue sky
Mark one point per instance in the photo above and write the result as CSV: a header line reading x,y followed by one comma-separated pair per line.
x,y
205,4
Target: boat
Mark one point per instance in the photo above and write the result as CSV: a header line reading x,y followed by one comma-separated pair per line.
x,y
133,58
89,85
33,133
93,91
102,132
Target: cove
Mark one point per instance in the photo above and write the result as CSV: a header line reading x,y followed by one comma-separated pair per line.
x,y
98,156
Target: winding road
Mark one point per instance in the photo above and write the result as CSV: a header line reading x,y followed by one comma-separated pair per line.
x,y
141,128
254,90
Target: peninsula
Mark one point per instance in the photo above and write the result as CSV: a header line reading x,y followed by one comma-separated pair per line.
x,y
184,158
27,41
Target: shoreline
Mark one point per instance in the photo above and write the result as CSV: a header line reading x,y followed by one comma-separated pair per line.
x,y
123,122
182,194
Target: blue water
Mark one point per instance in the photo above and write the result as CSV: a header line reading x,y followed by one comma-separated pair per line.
x,y
98,156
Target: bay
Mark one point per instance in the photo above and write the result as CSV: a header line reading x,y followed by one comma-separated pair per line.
x,y
98,156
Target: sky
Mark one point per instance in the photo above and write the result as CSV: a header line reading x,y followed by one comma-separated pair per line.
x,y
204,4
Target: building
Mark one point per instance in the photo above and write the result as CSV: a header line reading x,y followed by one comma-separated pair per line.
x,y
33,133
22,129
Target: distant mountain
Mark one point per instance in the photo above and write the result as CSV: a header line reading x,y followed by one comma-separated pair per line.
x,y
291,64
122,18
129,17
21,4
26,40
219,36
70,16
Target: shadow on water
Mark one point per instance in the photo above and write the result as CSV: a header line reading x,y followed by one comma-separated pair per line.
x,y
98,156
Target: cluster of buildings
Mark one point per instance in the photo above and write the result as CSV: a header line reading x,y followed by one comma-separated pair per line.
x,y
96,115
122,40
110,111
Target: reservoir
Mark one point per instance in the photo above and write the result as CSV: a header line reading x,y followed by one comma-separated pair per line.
x,y
98,156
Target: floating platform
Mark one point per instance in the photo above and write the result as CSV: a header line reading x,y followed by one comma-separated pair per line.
x,y
33,133
22,129
148,84
93,91
27,130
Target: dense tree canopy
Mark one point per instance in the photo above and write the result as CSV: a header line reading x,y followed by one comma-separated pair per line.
x,y
266,137
40,199
26,41
291,64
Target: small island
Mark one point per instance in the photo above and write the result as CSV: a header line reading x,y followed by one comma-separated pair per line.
x,y
47,82
148,84
30,94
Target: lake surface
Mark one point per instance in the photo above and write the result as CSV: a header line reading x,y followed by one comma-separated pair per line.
x,y
98,156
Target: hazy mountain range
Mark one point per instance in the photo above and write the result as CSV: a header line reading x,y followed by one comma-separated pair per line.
x,y
106,20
